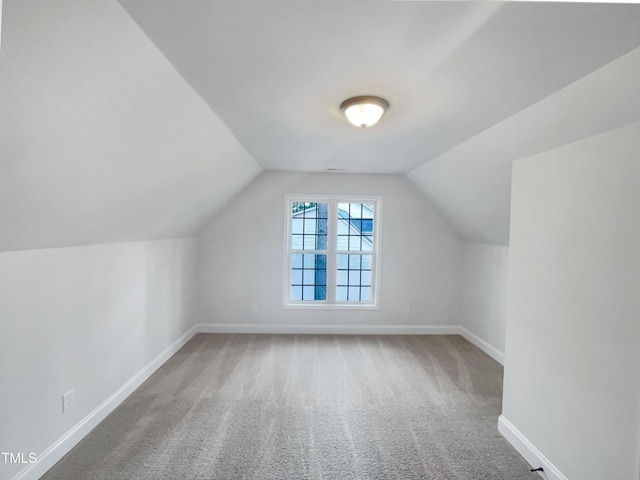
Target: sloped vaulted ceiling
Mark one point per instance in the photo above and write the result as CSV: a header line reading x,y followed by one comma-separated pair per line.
x,y
101,140
472,85
471,183
112,131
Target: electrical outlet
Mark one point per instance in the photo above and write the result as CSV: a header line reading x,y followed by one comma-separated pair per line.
x,y
407,310
67,401
255,310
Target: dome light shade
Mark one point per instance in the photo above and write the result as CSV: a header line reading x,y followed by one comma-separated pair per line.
x,y
364,111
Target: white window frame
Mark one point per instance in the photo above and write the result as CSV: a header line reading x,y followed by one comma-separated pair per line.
x,y
332,252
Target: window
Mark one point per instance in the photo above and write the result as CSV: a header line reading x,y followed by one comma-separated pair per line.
x,y
332,251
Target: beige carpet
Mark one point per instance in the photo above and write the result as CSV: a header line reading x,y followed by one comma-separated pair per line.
x,y
332,407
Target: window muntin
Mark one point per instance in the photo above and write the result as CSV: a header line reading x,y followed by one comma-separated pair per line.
x,y
308,277
331,251
308,234
353,282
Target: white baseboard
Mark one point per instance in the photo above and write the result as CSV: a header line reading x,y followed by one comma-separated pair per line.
x,y
275,328
483,345
530,453
64,444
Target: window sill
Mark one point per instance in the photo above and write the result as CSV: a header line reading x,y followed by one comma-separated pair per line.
x,y
330,306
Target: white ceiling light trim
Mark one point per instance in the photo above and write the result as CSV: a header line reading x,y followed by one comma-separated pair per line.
x,y
364,111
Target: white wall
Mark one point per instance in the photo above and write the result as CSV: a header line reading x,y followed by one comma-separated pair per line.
x,y
241,256
484,299
83,318
571,385
101,140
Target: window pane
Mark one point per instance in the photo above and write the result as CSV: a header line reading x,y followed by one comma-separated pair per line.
x,y
297,207
367,243
343,224
309,225
353,278
355,226
365,294
341,294
296,242
343,242
321,276
321,292
309,211
321,242
309,232
309,221
355,210
309,277
297,225
309,280
309,260
308,293
296,293
322,211
354,294
309,242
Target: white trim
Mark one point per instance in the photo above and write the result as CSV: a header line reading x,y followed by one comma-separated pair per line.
x,y
70,439
530,453
331,251
330,306
276,328
483,345
364,329
64,444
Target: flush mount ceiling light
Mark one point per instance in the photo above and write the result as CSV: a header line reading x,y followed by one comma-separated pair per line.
x,y
364,111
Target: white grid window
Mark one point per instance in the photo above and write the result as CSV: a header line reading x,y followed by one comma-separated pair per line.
x,y
332,251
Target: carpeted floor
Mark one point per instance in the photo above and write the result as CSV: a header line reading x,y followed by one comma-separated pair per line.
x,y
326,407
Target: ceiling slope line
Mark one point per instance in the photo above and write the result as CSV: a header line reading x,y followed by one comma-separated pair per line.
x,y
103,141
180,74
470,185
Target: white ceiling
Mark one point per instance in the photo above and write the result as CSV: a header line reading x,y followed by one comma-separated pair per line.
x,y
276,71
471,184
472,85
110,132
